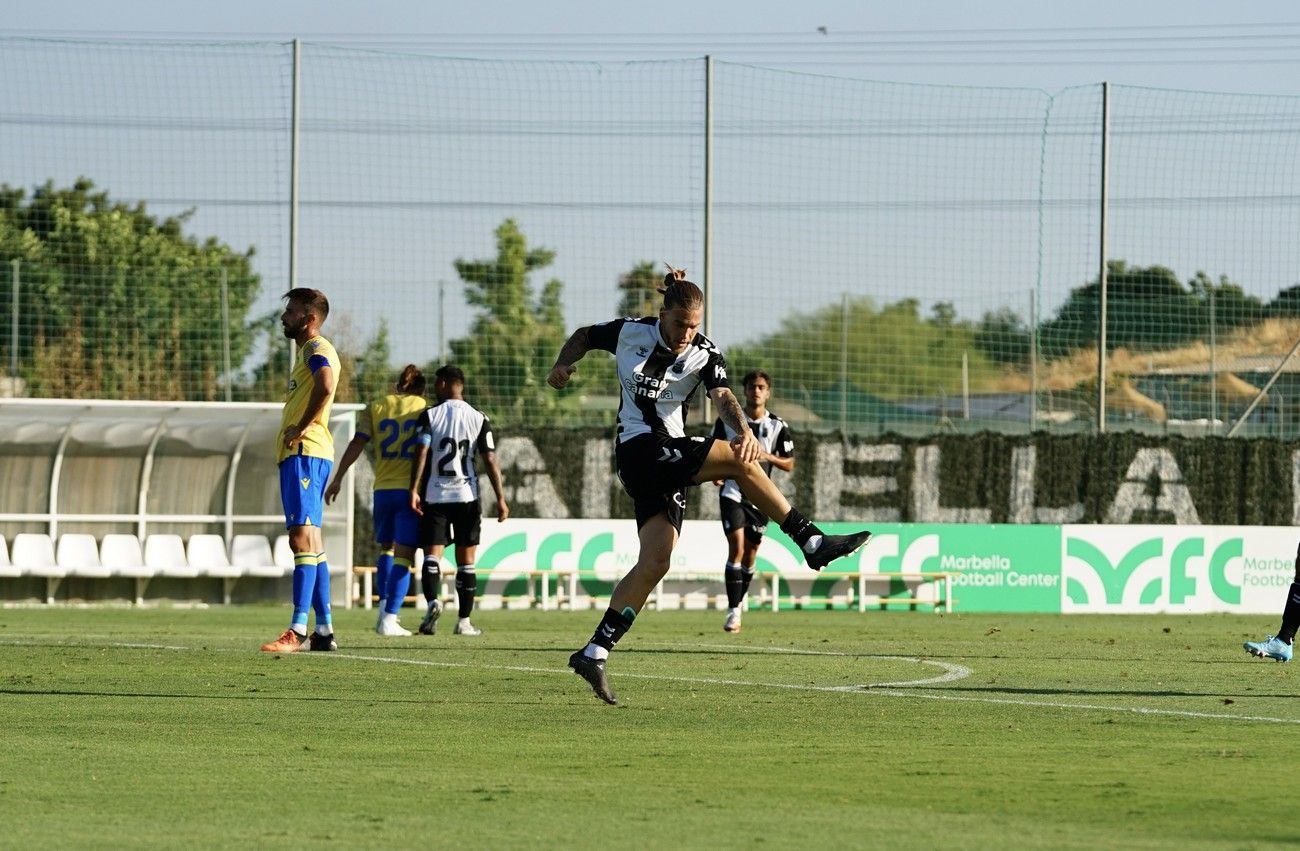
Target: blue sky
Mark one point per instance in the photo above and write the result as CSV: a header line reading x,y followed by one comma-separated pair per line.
x,y
911,224
1266,67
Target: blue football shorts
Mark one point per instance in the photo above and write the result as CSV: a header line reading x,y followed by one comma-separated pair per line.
x,y
302,489
395,522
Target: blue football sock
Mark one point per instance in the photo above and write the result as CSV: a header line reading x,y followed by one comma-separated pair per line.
x,y
383,570
304,586
320,599
399,580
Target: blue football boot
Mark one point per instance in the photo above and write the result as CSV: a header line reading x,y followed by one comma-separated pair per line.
x,y
1271,647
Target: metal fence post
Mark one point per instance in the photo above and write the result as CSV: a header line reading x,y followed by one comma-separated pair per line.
x,y
294,123
225,331
1101,276
708,213
16,265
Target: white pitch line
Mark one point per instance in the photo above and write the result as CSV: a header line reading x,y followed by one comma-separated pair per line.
x,y
708,681
953,672
1138,710
21,641
862,690
865,690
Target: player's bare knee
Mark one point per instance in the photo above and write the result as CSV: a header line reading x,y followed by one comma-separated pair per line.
x,y
651,569
300,540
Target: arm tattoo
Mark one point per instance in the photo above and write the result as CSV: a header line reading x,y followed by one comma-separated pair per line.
x,y
730,412
576,346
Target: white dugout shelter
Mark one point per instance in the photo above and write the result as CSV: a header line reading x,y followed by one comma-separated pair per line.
x,y
109,500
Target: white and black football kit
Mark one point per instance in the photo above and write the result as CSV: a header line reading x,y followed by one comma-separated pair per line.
x,y
772,432
655,460
453,431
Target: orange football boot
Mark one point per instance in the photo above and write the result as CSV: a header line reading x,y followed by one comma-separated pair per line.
x,y
287,643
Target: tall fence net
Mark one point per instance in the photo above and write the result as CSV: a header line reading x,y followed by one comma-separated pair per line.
x,y
898,257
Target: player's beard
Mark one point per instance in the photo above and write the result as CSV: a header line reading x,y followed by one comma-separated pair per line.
x,y
293,333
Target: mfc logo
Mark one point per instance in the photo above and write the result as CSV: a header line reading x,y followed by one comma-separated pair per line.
x,y
1143,575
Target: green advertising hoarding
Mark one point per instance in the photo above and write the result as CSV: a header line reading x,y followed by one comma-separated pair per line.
x,y
996,568
1094,568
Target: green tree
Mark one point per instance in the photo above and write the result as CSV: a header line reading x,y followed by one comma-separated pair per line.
x,y
943,314
1004,337
1147,308
118,303
368,375
889,352
1232,306
515,337
269,379
1286,303
640,290
597,375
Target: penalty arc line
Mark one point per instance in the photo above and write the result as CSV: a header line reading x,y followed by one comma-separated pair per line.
x,y
708,681
863,690
953,671
882,690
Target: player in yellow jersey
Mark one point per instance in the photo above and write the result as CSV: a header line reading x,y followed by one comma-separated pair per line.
x,y
393,422
306,454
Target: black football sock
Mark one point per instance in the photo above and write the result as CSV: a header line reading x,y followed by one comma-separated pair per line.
x,y
800,529
1290,614
613,626
731,577
466,587
430,579
746,577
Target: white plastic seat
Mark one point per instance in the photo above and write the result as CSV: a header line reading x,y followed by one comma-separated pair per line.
x,y
252,554
121,555
33,555
7,569
207,553
78,554
165,554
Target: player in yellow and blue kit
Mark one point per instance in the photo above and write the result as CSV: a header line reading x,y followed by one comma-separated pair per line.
x,y
393,422
306,454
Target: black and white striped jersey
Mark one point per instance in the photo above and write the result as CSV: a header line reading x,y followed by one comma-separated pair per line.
x,y
772,432
655,383
453,430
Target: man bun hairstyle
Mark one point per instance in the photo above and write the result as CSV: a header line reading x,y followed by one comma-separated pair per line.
x,y
411,381
451,374
679,292
313,300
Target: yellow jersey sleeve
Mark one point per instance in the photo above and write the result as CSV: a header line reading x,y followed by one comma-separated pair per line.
x,y
316,441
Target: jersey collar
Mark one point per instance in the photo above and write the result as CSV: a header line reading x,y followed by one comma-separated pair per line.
x,y
659,337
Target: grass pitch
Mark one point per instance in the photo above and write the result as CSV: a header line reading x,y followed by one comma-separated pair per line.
x,y
167,727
